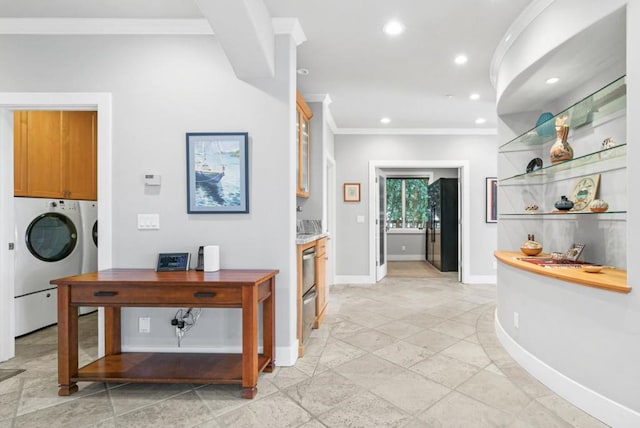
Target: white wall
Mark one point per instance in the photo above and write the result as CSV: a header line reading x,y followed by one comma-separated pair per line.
x,y
163,87
353,153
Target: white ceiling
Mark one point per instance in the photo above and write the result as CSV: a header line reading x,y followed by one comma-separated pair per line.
x,y
410,78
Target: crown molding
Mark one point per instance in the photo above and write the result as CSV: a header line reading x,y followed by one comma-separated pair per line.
x,y
416,131
104,26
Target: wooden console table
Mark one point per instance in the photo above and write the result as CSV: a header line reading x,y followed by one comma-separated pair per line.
x,y
116,288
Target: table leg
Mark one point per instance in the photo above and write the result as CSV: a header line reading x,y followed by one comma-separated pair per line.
x,y
112,332
67,342
268,330
249,341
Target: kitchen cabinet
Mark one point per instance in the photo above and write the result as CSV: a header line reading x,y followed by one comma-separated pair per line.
x,y
303,146
55,154
321,280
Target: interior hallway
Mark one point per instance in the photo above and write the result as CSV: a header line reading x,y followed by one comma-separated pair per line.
x,y
406,352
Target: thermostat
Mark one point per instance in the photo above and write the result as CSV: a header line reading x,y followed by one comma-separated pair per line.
x,y
168,262
152,179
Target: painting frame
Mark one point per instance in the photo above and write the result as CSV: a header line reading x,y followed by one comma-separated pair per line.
x,y
491,191
219,184
351,192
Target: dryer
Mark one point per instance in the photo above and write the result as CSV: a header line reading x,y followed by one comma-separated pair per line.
x,y
89,235
47,246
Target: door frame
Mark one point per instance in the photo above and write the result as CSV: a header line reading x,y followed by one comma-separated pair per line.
x,y
464,207
10,101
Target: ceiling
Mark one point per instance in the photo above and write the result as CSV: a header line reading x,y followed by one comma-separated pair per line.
x,y
410,78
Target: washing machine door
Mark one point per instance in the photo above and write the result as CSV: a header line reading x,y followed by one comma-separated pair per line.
x,y
94,233
51,237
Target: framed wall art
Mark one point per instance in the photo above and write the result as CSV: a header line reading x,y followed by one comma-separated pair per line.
x,y
491,184
351,192
217,172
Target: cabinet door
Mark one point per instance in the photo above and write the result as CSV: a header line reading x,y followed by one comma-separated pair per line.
x,y
45,172
20,153
303,144
79,133
321,280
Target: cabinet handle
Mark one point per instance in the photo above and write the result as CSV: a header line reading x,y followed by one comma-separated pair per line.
x,y
203,294
105,293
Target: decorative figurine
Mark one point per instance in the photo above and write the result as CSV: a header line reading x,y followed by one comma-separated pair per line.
x,y
607,143
598,206
531,208
561,150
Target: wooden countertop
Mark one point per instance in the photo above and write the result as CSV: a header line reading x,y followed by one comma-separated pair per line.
x,y
607,279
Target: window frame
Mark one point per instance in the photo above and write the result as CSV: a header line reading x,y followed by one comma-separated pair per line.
x,y
407,175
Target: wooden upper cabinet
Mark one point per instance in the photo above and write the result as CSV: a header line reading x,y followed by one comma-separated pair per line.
x,y
55,154
303,146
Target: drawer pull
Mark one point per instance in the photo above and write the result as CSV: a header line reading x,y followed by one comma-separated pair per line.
x,y
202,294
105,293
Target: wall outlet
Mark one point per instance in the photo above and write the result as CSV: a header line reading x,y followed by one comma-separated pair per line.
x,y
516,320
404,248
495,265
144,325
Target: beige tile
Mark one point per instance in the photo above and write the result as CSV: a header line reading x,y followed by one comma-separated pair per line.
x,y
370,340
369,371
445,370
288,376
459,411
469,318
454,328
570,413
364,410
345,328
181,410
399,329
307,364
9,404
432,340
537,416
496,391
275,411
410,393
40,393
136,395
83,411
422,320
336,353
530,385
323,392
403,354
469,353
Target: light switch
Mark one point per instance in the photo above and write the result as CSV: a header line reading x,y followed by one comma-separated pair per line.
x,y
360,219
148,221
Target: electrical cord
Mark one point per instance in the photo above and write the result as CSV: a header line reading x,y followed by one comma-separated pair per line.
x,y
184,320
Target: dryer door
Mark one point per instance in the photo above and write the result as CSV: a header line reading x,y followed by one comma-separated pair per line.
x,y
51,237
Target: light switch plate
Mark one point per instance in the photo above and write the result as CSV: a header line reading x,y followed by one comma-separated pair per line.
x,y
144,325
148,221
360,219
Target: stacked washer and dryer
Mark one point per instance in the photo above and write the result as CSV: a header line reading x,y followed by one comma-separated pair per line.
x,y
52,241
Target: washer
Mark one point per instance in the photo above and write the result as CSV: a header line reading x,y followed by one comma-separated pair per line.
x,y
47,246
89,234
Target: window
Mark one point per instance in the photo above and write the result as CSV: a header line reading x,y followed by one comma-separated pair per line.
x,y
407,202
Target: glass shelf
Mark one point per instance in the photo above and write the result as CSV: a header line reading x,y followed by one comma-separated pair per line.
x,y
563,214
616,152
607,100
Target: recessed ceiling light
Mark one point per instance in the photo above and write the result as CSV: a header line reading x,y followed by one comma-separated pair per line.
x,y
385,120
449,96
474,96
552,80
480,120
302,71
393,28
461,59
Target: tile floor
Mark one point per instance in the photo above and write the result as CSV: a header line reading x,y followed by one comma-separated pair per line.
x,y
405,352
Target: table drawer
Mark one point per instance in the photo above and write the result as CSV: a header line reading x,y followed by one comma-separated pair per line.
x,y
149,296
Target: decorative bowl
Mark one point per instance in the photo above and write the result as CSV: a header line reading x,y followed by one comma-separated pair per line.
x,y
531,251
591,268
558,257
598,206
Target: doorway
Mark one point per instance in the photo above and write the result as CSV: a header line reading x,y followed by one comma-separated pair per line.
x,y
9,102
460,166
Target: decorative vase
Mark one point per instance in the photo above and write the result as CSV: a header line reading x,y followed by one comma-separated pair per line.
x,y
598,206
563,204
530,247
561,150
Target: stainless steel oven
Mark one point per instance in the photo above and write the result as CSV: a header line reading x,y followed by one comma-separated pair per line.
x,y
309,294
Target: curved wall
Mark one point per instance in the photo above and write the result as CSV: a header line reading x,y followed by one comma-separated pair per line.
x,y
583,343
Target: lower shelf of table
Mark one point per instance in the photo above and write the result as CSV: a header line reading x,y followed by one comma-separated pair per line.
x,y
154,367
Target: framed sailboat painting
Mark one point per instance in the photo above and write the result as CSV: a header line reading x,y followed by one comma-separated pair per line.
x,y
217,172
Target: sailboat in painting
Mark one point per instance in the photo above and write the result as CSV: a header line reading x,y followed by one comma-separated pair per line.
x,y
205,174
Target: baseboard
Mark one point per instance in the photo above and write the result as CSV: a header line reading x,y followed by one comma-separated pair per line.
x,y
405,257
354,279
285,355
610,412
481,279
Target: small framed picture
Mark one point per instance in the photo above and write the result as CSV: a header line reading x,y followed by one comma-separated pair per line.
x,y
574,252
351,192
492,202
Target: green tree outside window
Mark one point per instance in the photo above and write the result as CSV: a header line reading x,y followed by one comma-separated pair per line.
x,y
407,203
